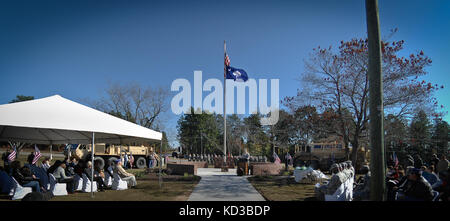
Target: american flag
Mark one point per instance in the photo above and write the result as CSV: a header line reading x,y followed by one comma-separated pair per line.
x,y
227,60
12,156
227,63
394,156
37,154
277,159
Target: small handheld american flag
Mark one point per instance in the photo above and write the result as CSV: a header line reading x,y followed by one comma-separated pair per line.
x,y
12,156
395,159
37,154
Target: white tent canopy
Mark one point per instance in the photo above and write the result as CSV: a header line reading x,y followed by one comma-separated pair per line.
x,y
57,120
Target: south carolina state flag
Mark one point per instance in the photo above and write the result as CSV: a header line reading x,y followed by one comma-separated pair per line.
x,y
236,74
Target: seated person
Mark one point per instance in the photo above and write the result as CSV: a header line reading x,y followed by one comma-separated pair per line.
x,y
362,190
124,175
25,180
443,187
45,163
429,175
61,177
70,170
416,188
39,172
97,177
6,183
110,170
79,168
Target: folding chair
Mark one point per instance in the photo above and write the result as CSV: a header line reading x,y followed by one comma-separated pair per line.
x,y
87,185
58,189
118,183
18,192
78,182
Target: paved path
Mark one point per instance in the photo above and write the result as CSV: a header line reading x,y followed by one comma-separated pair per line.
x,y
223,186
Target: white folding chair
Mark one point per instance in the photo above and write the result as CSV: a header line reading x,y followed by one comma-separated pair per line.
x,y
338,195
108,179
78,182
435,195
118,183
18,192
87,185
58,189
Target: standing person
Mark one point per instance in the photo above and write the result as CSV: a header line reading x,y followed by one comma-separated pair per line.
x,y
125,159
131,160
443,164
61,177
288,159
124,175
152,158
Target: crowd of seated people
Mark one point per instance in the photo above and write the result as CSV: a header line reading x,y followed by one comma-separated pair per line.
x,y
421,181
37,177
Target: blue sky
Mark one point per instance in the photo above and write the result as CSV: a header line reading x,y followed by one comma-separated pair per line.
x,y
77,48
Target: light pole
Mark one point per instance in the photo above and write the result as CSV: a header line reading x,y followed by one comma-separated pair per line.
x,y
377,164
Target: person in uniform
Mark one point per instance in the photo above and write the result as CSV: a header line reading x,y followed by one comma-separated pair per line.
x,y
362,190
335,183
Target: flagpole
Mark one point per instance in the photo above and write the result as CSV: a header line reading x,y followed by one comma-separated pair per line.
x,y
224,107
92,169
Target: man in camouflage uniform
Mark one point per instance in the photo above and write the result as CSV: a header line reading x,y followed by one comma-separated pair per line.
x,y
335,182
362,190
350,172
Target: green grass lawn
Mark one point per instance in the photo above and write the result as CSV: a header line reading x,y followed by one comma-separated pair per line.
x,y
282,188
173,188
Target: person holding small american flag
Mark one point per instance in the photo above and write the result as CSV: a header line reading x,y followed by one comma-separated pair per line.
x,y
276,159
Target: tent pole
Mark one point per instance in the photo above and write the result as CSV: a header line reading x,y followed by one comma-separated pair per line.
x,y
51,155
92,169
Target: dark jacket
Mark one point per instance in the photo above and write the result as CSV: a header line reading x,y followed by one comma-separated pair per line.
x,y
88,172
418,162
20,177
408,162
419,189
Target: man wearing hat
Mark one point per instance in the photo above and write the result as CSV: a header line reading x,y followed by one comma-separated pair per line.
x,y
334,189
124,175
418,189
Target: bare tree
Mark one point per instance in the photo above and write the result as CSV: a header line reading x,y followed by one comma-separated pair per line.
x,y
134,103
339,80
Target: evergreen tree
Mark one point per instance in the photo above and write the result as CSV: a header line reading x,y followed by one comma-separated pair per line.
x,y
420,134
